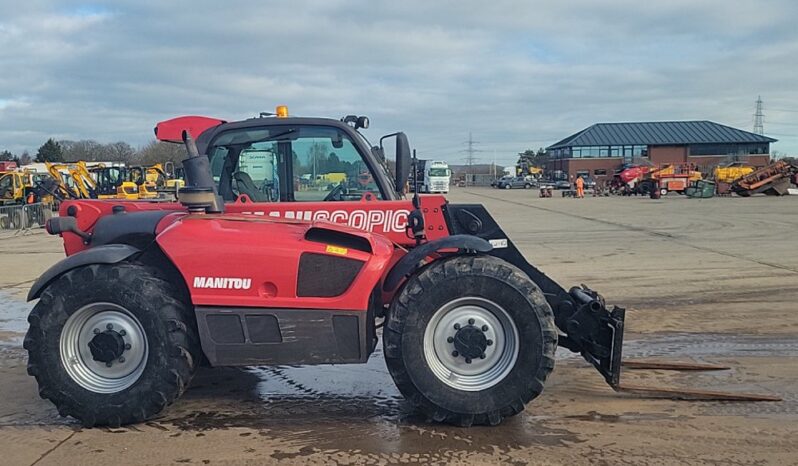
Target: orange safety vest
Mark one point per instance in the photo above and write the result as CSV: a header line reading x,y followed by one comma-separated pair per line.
x,y
580,183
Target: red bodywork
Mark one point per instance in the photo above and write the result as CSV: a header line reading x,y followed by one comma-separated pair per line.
x,y
632,174
267,253
388,218
263,241
172,130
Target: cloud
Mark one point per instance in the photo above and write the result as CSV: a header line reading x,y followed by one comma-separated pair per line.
x,y
515,74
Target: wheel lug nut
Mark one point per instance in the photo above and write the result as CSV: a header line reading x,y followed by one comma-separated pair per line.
x,y
482,356
490,342
457,326
110,326
468,360
122,332
109,364
121,359
127,346
455,353
484,328
449,340
96,331
470,321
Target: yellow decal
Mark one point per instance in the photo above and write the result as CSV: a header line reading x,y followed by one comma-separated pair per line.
x,y
336,250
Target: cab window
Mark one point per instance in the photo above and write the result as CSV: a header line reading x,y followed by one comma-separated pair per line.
x,y
7,187
325,165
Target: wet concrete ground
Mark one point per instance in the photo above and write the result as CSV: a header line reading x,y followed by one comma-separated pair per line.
x,y
704,280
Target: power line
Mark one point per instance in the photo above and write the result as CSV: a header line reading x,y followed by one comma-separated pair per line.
x,y
759,127
470,158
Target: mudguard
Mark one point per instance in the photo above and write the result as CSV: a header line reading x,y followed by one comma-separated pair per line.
x,y
108,254
412,260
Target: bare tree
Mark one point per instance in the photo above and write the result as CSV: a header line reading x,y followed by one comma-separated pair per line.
x,y
120,151
86,149
160,152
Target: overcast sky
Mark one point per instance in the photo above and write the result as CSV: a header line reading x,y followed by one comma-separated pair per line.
x,y
516,74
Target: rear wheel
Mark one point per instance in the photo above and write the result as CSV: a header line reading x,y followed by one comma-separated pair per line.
x,y
111,344
507,186
470,340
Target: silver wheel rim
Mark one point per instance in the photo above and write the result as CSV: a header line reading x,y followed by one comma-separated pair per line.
x,y
76,356
479,374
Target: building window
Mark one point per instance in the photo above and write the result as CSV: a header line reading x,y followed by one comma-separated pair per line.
x,y
728,149
600,172
615,151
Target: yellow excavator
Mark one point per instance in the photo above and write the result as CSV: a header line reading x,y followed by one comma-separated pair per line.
x,y
25,187
12,188
84,183
112,183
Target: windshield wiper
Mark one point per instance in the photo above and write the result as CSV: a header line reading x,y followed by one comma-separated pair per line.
x,y
266,139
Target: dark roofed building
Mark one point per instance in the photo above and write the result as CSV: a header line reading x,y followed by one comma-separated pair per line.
x,y
600,149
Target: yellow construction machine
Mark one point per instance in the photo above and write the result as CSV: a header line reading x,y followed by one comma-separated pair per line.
x,y
732,172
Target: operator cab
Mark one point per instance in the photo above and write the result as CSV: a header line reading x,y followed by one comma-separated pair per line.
x,y
297,162
277,158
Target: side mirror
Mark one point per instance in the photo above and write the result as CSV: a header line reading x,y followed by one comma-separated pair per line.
x,y
403,157
402,162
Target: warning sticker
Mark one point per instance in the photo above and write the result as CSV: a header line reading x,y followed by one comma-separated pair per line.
x,y
336,250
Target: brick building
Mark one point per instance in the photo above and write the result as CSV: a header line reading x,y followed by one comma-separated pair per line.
x,y
599,150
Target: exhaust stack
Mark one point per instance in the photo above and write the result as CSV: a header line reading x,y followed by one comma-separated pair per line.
x,y
199,195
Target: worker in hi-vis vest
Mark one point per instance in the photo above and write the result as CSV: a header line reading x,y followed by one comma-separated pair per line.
x,y
580,187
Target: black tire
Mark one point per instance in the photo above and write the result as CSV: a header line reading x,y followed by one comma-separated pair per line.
x,y
508,186
166,321
469,276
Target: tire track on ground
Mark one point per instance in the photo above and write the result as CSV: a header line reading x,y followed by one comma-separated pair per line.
x,y
637,229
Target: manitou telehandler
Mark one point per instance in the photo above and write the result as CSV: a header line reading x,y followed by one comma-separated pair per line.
x,y
261,264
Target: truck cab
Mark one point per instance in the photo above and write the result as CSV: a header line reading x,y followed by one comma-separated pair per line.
x,y
437,177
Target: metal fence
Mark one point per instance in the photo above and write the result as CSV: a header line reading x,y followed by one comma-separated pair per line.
x,y
19,219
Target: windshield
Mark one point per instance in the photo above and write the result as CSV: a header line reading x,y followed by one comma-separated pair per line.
x,y
323,159
438,172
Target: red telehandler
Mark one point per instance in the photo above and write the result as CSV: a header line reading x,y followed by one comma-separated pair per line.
x,y
263,261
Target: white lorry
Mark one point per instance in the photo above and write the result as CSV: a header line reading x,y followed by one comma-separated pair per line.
x,y
437,177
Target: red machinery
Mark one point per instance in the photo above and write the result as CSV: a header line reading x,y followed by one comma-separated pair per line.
x,y
665,178
240,273
773,180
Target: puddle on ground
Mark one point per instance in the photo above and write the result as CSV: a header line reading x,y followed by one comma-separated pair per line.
x,y
13,319
353,409
698,345
594,416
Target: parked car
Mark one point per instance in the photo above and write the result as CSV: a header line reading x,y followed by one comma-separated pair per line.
x,y
562,184
590,183
514,182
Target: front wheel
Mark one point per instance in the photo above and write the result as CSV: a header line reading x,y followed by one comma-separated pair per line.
x,y
507,186
111,344
470,340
